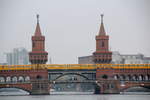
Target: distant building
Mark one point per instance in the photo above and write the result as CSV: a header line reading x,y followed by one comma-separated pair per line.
x,y
18,56
85,60
147,60
118,58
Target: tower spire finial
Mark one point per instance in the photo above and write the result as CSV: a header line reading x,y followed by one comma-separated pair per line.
x,y
102,30
37,16
102,15
37,30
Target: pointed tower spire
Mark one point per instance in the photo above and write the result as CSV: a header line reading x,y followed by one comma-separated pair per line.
x,y
38,55
102,30
37,30
102,53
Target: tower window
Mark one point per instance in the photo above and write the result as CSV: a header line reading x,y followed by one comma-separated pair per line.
x,y
102,44
33,44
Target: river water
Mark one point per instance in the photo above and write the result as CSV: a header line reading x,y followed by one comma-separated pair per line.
x,y
78,97
75,96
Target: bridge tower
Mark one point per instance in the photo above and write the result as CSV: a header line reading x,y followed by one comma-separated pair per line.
x,y
102,53
38,55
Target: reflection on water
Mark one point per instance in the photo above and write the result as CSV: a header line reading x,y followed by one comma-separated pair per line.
x,y
77,97
17,94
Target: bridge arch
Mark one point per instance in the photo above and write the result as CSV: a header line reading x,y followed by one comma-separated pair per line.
x,y
136,88
67,74
29,91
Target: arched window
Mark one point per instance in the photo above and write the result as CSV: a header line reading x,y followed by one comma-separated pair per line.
x,y
2,79
103,44
21,79
104,76
27,78
8,79
122,77
39,77
140,78
33,44
134,78
146,77
14,79
116,77
128,77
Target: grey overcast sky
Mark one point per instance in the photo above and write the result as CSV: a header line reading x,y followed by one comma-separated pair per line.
x,y
70,26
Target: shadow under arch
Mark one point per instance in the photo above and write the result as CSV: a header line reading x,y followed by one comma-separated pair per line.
x,y
67,74
4,88
137,89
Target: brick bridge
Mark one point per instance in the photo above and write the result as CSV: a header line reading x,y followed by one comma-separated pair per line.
x,y
107,78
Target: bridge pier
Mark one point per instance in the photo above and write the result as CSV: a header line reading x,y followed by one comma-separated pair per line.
x,y
40,87
107,87
39,81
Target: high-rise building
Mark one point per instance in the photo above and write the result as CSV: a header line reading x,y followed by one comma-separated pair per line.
x,y
38,55
19,56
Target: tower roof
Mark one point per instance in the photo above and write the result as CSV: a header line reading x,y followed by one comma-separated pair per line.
x,y
102,29
37,30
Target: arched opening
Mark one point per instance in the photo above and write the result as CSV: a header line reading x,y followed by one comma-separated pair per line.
x,y
2,79
8,79
104,76
102,44
135,78
72,82
21,79
14,79
128,77
140,78
27,79
122,77
146,77
116,77
38,77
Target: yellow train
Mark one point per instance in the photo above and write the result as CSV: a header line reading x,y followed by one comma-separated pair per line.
x,y
74,66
